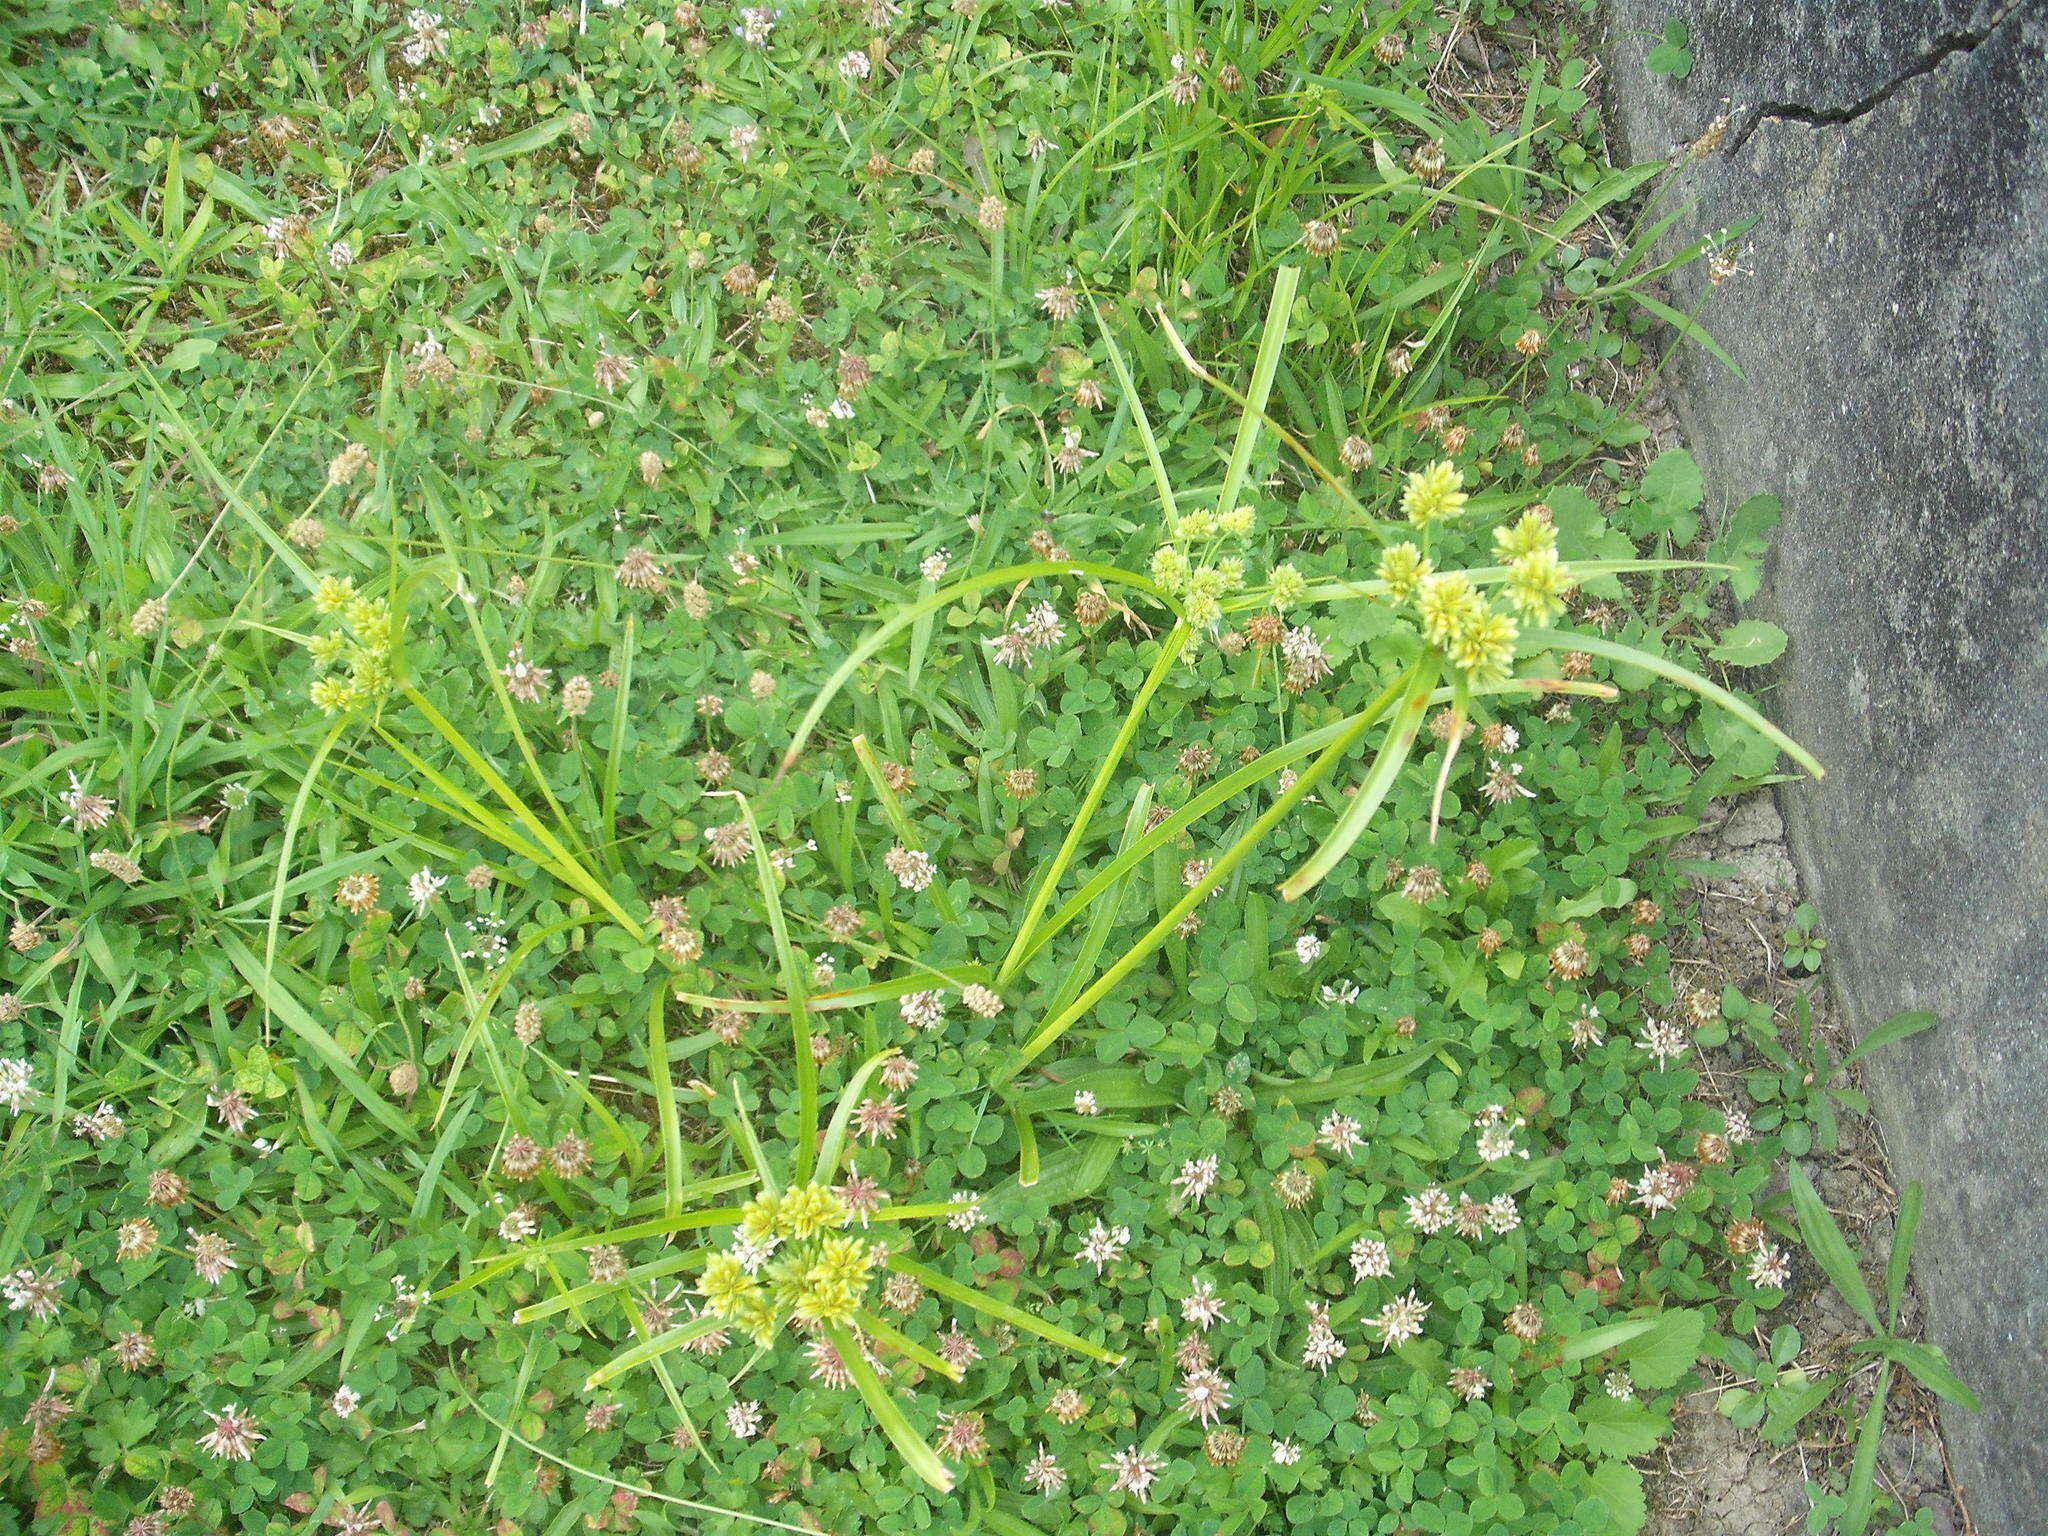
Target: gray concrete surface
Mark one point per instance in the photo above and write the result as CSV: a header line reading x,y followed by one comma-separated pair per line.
x,y
1892,322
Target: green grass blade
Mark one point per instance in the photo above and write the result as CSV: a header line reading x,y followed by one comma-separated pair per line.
x,y
909,613
1265,766
1002,1311
1900,1258
1900,1026
916,1454
651,1349
1538,639
834,1145
570,1300
1862,1488
1830,1249
562,860
1106,909
1169,653
615,752
293,820
1219,871
1360,809
1129,396
1027,1146
665,1098
880,1331
794,982
641,1490
282,1005
1928,1366
1271,341
899,820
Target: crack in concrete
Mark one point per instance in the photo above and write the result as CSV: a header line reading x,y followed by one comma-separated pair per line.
x,y
1944,48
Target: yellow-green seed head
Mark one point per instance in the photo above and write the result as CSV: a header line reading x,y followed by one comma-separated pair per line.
x,y
761,1218
1194,526
758,1318
1169,567
1537,584
333,594
810,1209
1286,587
327,649
332,694
726,1286
1404,568
1435,492
1524,535
371,621
826,1300
1447,605
789,1279
1238,522
845,1259
1485,649
369,674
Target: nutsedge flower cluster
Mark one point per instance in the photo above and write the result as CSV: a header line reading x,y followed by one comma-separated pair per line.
x,y
354,658
1194,563
788,1262
1457,618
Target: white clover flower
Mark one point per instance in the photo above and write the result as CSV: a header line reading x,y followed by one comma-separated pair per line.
x,y
1104,1245
15,1091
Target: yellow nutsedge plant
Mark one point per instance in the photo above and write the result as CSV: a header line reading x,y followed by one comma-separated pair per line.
x,y
1195,563
1478,627
799,1263
352,661
788,1263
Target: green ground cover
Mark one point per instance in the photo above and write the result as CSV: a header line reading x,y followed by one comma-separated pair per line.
x,y
852,768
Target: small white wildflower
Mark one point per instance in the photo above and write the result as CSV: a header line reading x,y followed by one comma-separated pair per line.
x,y
1497,1142
1400,1320
1770,1267
15,1091
1104,1245
1502,1214
923,1010
970,1218
1196,1178
1341,1134
1429,1211
1201,1306
1323,1348
1371,1259
1664,1040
